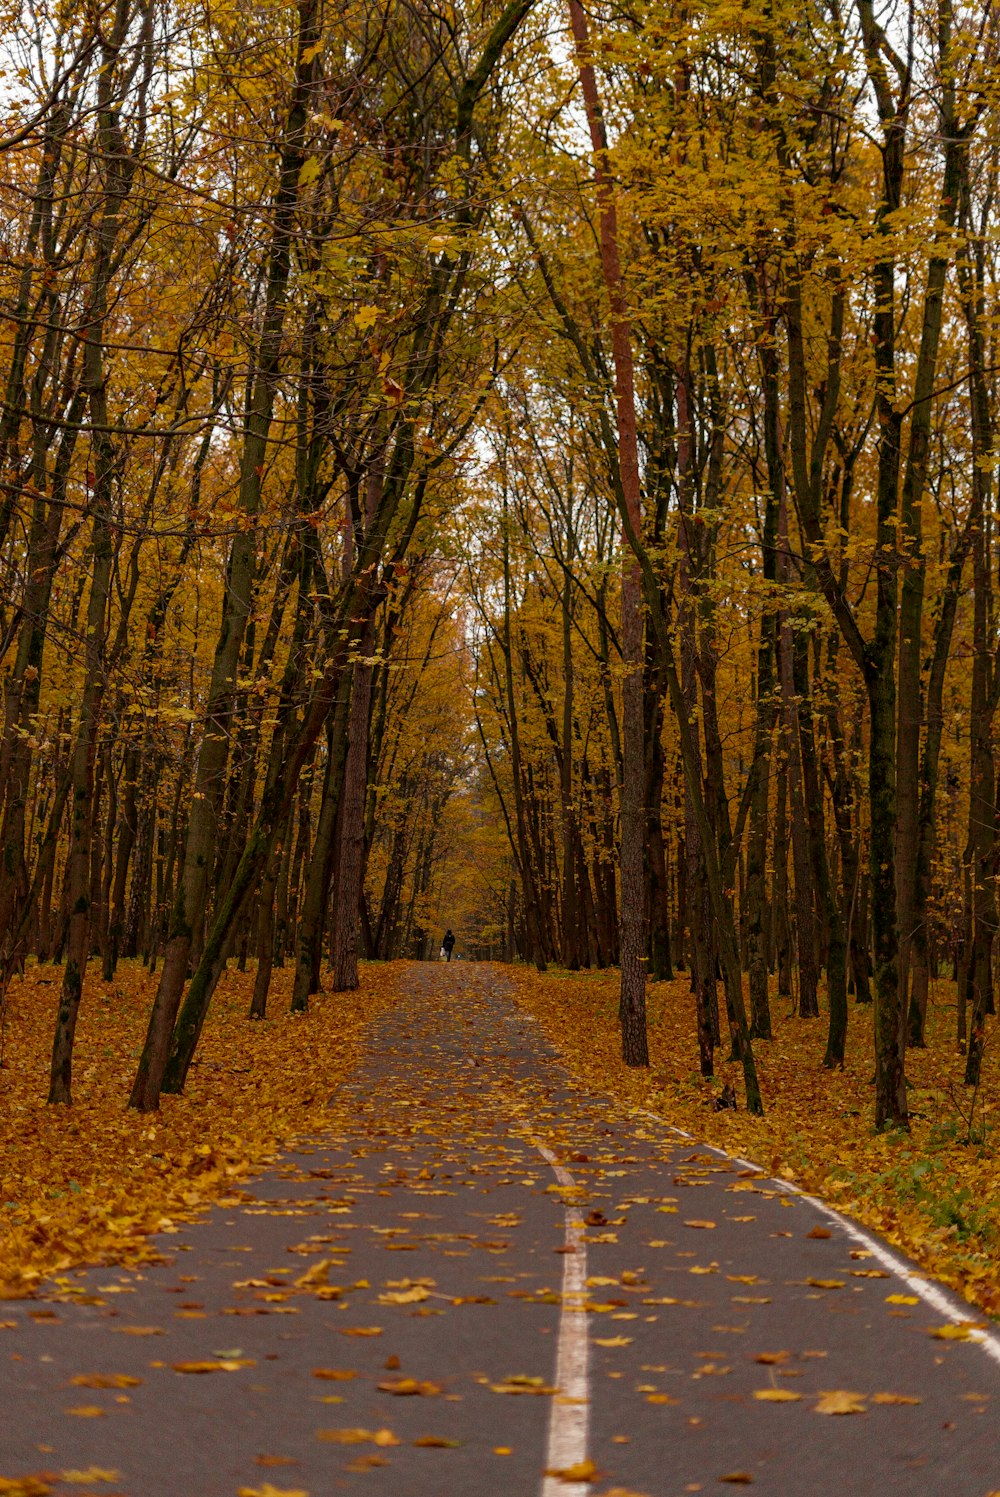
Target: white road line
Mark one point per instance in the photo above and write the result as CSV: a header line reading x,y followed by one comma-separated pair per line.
x,y
935,1296
568,1412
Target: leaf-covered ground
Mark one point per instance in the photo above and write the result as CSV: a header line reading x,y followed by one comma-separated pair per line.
x,y
934,1193
87,1184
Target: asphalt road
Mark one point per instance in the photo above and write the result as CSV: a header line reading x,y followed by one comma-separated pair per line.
x,y
484,1275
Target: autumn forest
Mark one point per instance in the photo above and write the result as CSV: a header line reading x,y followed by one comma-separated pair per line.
x,y
531,469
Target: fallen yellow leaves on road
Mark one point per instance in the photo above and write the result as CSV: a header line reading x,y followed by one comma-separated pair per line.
x,y
90,1183
935,1193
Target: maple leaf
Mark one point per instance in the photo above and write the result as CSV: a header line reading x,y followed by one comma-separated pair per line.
x,y
776,1395
840,1402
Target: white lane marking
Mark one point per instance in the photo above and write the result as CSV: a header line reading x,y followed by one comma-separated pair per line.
x,y
568,1412
938,1298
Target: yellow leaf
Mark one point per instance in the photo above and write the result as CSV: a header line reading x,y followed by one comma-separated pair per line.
x,y
579,1471
952,1332
901,1299
225,1364
826,1283
88,1411
700,1224
520,1382
776,1395
361,1330
334,1374
894,1398
317,1274
381,1437
92,1474
612,1340
408,1386
404,1296
268,1491
105,1380
840,1402
366,317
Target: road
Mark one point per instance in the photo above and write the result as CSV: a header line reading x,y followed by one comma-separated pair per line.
x,y
486,1280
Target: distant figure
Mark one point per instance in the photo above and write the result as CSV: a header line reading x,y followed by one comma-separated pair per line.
x,y
448,944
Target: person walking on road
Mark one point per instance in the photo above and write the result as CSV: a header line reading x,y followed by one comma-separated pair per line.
x,y
448,944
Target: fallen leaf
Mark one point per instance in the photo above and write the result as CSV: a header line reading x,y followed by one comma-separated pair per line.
x,y
105,1380
361,1330
268,1491
229,1364
579,1471
699,1224
86,1478
357,1436
738,1478
86,1411
520,1382
334,1374
404,1296
612,1341
23,1486
436,1442
819,1232
840,1402
776,1395
404,1386
826,1283
952,1332
894,1398
901,1299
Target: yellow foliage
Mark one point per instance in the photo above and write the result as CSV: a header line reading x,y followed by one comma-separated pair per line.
x,y
933,1193
90,1183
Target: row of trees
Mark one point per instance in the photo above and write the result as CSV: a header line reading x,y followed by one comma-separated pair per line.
x,y
244,335
805,338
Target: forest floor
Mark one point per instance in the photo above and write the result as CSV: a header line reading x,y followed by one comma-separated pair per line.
x,y
90,1183
935,1192
483,1276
